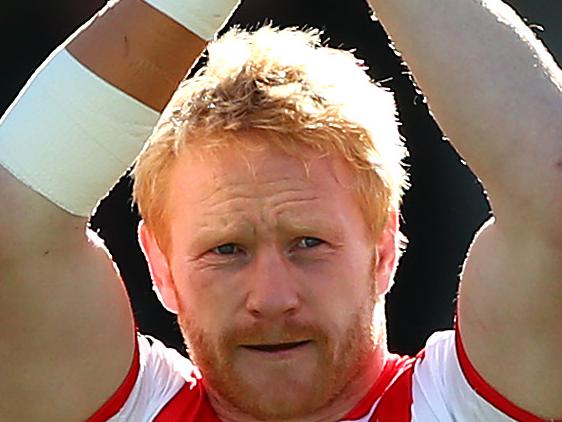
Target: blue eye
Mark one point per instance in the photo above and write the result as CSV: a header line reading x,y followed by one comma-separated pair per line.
x,y
309,242
226,249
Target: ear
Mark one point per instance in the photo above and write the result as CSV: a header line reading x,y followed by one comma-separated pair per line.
x,y
386,255
162,279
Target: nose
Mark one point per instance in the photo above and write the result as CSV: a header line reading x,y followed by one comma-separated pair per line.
x,y
273,291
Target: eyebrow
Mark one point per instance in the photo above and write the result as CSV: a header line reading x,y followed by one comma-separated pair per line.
x,y
312,227
212,233
215,233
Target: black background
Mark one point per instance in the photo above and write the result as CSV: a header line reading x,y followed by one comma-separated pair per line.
x,y
441,211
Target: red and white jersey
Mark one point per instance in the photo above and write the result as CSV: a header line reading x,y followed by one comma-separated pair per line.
x,y
440,384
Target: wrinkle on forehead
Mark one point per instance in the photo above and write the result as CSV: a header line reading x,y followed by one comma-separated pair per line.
x,y
225,206
229,186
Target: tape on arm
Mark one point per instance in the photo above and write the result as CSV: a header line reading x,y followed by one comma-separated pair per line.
x,y
69,135
202,17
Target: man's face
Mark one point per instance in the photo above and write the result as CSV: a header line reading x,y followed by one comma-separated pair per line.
x,y
274,277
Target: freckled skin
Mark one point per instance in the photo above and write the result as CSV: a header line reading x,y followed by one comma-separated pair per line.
x,y
269,253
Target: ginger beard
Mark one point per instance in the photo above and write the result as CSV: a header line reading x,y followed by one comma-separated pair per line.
x,y
281,390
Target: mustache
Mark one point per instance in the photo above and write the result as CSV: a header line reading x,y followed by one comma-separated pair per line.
x,y
286,331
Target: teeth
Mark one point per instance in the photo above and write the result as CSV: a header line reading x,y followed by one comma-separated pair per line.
x,y
276,347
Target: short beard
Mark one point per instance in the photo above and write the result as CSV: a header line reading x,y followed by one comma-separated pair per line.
x,y
338,365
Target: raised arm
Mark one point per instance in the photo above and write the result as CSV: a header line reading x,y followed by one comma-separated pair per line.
x,y
497,94
66,329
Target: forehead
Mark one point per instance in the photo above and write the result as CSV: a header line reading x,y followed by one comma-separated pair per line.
x,y
254,175
258,165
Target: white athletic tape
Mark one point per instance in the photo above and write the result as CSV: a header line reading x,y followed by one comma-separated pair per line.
x,y
202,17
70,135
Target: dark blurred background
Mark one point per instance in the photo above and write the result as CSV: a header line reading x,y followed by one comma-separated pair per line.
x,y
441,211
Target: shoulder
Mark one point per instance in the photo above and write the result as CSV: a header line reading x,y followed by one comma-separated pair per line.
x,y
441,384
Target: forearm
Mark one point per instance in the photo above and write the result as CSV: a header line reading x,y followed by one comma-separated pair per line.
x,y
492,86
138,50
83,117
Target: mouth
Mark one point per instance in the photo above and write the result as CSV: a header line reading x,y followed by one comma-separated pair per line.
x,y
278,347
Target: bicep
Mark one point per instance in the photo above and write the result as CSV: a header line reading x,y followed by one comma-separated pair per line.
x,y
66,325
510,308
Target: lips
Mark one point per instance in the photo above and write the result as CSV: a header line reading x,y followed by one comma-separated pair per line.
x,y
278,347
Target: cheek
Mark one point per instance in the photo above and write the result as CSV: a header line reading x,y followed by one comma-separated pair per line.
x,y
341,290
344,307
207,298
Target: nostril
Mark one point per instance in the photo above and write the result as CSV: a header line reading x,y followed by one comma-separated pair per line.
x,y
255,313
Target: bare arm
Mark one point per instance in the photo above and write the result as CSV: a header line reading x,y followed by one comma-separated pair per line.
x,y
145,53
66,328
497,94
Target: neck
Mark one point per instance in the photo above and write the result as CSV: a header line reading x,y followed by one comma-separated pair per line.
x,y
365,377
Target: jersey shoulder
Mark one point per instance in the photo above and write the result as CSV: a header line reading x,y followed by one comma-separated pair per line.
x,y
159,379
441,384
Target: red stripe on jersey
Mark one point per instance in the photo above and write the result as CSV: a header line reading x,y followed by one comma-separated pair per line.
x,y
487,392
190,404
396,402
394,367
118,399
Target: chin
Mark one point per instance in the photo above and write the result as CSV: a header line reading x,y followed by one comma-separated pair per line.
x,y
281,402
277,394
